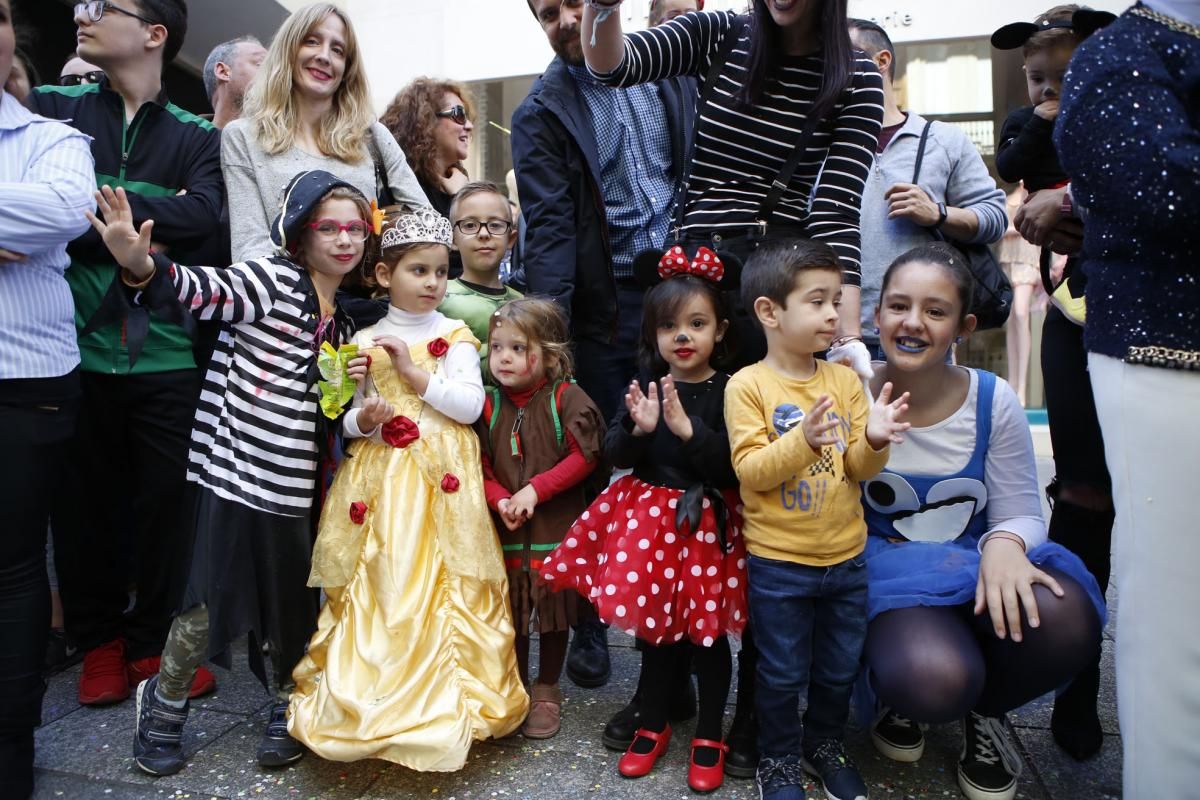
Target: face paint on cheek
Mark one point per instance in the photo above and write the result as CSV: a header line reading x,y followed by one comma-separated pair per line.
x,y
531,364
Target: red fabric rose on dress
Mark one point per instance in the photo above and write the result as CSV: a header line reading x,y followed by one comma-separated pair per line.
x,y
400,431
358,512
450,483
438,347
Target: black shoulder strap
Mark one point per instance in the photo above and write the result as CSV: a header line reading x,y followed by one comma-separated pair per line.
x,y
780,184
383,190
706,92
921,151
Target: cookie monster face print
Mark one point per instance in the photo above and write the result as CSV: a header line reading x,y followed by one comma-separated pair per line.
x,y
786,417
946,512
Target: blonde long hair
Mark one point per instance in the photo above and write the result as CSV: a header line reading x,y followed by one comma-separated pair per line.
x,y
272,108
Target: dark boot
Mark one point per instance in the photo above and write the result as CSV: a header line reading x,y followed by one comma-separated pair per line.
x,y
588,665
742,739
1087,533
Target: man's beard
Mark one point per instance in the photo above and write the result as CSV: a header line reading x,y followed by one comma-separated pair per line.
x,y
570,49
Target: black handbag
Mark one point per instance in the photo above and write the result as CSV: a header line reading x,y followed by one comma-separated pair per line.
x,y
992,298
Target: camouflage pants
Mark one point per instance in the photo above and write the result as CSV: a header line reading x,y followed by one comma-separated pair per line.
x,y
186,649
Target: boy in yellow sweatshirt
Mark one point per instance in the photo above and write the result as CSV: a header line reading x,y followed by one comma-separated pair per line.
x,y
803,434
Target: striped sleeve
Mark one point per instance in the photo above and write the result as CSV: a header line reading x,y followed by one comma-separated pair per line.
x,y
46,206
241,293
837,196
678,47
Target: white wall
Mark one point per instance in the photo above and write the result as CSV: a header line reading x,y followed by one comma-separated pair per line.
x,y
470,40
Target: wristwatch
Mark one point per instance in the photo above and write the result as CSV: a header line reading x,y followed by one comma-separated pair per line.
x,y
942,215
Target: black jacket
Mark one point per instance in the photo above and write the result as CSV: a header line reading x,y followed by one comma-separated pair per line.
x,y
566,253
1026,151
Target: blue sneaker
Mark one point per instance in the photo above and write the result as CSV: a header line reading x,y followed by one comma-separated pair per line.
x,y
158,737
837,773
780,778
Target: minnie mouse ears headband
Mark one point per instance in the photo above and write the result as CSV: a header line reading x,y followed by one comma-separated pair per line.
x,y
650,268
1083,23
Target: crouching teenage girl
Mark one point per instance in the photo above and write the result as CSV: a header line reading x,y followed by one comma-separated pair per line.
x,y
256,446
660,553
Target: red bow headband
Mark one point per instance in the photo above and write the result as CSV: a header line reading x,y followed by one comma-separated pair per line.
x,y
706,264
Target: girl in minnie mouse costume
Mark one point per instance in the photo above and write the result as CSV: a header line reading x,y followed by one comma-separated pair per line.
x,y
660,553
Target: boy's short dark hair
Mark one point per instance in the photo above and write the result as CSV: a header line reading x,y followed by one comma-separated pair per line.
x,y
1054,37
874,40
478,187
172,15
771,270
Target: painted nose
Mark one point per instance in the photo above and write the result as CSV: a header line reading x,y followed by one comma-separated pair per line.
x,y
681,338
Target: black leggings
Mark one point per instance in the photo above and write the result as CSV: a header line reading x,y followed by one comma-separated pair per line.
x,y
935,663
660,669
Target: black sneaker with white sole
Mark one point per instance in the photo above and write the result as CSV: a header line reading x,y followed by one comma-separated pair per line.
x,y
897,737
158,733
990,765
838,774
277,748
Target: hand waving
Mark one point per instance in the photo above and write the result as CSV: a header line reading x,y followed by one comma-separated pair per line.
x,y
643,409
130,247
885,422
819,431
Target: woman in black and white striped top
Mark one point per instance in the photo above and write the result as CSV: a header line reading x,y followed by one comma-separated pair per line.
x,y
791,60
790,67
256,446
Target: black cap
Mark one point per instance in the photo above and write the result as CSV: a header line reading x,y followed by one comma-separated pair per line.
x,y
301,196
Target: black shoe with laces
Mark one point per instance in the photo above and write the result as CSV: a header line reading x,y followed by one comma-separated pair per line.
x,y
158,732
990,765
780,778
277,748
838,775
897,737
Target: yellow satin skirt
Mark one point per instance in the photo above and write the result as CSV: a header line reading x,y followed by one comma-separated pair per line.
x,y
412,660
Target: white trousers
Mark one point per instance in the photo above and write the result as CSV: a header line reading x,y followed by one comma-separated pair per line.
x,y
1151,423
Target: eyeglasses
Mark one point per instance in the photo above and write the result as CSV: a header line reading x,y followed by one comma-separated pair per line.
x,y
95,11
329,229
456,113
95,76
472,227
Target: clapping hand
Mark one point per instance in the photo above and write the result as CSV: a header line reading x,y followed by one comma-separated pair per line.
x,y
129,246
819,431
885,421
678,422
643,408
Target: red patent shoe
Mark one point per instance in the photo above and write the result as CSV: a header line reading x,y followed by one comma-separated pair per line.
x,y
635,765
706,779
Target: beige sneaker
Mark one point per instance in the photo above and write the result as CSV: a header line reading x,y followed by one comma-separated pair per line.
x,y
545,704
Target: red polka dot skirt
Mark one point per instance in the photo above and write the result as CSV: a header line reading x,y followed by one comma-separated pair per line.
x,y
626,555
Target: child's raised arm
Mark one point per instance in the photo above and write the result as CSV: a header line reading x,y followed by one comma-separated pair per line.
x,y
240,293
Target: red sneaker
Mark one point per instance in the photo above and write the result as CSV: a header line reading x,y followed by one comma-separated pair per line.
x,y
143,668
103,680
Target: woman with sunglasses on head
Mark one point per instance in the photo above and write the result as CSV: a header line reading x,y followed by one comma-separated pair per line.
x,y
432,120
308,108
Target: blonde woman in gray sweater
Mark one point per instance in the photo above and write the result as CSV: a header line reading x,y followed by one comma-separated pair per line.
x,y
308,108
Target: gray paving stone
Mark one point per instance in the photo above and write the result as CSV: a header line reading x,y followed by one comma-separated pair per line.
x,y
98,742
1098,778
57,785
62,695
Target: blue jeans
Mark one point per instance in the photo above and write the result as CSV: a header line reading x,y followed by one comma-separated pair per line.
x,y
809,624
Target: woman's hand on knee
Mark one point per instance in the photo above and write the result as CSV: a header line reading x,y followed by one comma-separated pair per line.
x,y
1006,580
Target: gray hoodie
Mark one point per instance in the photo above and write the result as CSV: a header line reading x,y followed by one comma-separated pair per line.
x,y
952,172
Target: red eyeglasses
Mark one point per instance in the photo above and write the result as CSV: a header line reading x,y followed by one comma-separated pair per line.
x,y
329,229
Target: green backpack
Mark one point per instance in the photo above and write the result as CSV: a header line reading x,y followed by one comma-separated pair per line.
x,y
491,402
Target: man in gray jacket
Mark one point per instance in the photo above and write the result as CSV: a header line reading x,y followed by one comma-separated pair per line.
x,y
956,196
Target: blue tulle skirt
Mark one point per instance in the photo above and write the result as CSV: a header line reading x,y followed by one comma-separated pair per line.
x,y
907,574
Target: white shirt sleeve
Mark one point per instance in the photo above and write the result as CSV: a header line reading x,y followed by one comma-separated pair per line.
x,y
457,389
1010,473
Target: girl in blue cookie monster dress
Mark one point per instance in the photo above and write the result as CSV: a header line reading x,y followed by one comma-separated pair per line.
x,y
972,611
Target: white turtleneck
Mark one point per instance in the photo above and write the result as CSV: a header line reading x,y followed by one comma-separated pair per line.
x,y
456,389
1182,10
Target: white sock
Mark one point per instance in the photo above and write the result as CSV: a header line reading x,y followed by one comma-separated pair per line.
x,y
172,703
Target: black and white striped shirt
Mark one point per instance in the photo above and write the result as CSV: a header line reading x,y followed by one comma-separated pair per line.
x,y
254,439
739,152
